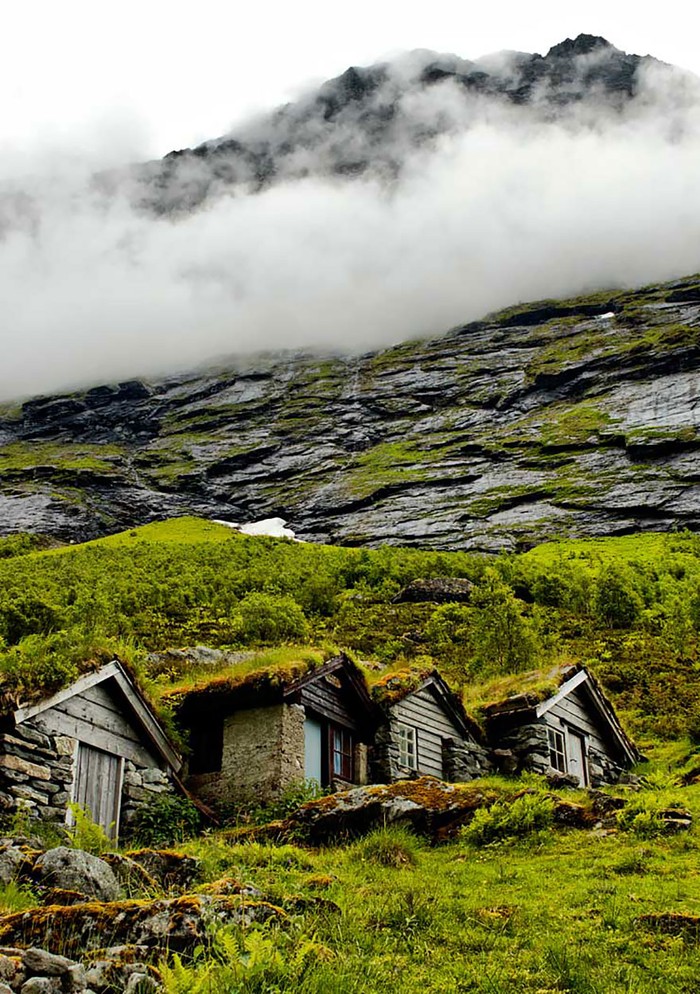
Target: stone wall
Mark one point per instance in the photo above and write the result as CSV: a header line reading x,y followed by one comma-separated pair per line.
x,y
141,786
263,752
465,760
36,775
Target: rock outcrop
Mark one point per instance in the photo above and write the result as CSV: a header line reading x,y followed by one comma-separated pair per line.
x,y
558,418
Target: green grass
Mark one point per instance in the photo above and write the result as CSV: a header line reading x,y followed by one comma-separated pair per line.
x,y
68,456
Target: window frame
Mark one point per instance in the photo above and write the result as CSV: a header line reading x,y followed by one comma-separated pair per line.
x,y
407,739
556,742
341,747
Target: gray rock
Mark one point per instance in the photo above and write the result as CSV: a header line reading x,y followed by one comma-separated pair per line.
x,y
4,989
41,985
11,860
140,983
73,869
41,961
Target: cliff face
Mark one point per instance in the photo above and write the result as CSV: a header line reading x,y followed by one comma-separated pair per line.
x,y
557,418
367,121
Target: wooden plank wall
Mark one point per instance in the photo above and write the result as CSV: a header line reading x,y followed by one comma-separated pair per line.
x,y
574,710
423,712
322,698
97,717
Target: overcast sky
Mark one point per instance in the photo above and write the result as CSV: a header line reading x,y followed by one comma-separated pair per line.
x,y
145,76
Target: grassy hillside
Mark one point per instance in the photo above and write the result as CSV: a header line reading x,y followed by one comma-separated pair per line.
x,y
629,607
514,904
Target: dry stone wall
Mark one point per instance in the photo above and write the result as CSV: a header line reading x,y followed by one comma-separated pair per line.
x,y
37,770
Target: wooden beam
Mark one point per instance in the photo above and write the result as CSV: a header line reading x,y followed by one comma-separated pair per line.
x,y
564,690
82,683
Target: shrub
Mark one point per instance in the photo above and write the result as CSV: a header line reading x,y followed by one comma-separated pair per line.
x,y
389,846
85,834
529,813
167,819
270,619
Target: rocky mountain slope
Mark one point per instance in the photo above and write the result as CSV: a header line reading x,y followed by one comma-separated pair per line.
x,y
557,418
368,120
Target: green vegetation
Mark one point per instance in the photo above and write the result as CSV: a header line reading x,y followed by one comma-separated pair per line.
x,y
67,456
629,607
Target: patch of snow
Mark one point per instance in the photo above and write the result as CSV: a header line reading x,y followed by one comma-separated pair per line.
x,y
273,527
606,316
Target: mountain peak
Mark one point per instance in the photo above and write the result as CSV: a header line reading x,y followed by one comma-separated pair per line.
x,y
581,45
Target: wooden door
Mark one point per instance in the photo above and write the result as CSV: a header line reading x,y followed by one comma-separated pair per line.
x,y
576,747
98,786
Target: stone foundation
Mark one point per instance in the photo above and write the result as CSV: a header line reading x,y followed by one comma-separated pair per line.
x,y
466,761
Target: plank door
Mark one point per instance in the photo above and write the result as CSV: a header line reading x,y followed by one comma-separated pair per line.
x,y
576,748
313,750
98,786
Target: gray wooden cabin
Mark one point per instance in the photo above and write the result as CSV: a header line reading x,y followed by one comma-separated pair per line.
x,y
572,731
97,743
425,731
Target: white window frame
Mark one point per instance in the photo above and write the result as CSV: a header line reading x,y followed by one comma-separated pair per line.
x,y
556,741
408,746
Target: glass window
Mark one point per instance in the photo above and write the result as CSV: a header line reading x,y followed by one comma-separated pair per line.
x,y
408,752
341,753
557,752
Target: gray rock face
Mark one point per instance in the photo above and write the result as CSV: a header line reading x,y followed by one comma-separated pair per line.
x,y
388,109
73,869
559,418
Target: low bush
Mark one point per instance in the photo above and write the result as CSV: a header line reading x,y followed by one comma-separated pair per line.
x,y
392,845
531,812
165,820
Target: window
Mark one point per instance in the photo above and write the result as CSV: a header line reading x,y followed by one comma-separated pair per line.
x,y
557,751
408,752
341,753
207,745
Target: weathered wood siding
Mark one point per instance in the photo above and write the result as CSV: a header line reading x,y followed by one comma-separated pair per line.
x,y
338,704
576,711
423,712
97,717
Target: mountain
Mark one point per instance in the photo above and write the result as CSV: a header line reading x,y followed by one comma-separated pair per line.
x,y
369,119
575,417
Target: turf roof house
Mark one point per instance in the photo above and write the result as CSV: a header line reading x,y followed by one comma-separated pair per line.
x,y
562,723
253,734
97,743
425,731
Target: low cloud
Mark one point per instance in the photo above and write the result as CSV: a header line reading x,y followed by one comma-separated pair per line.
x,y
508,204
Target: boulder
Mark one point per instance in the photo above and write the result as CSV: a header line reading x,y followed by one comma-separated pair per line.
x,y
12,861
76,870
172,870
438,590
178,923
429,806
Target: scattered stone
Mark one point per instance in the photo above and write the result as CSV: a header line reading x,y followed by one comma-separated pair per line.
x,y
676,820
438,590
12,860
73,869
671,923
172,870
140,983
558,780
41,961
41,985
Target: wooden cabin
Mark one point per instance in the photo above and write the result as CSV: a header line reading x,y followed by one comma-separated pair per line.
x,y
96,743
425,731
561,724
254,734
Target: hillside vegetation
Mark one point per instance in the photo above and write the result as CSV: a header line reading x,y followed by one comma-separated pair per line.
x,y
629,607
516,903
